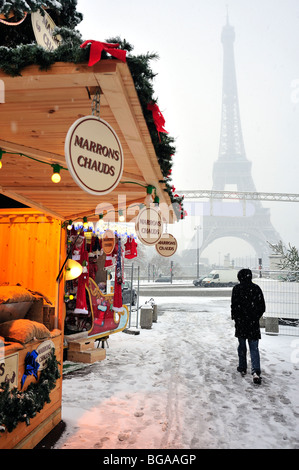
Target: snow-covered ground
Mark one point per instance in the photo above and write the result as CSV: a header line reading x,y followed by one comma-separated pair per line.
x,y
175,386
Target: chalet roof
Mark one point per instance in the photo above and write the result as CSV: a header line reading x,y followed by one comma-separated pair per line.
x,y
40,106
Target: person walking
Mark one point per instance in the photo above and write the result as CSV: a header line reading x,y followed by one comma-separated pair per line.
x,y
247,307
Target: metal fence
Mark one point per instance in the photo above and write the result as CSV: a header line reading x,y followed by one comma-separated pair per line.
x,y
281,292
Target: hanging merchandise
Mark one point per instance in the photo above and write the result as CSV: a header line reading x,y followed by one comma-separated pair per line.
x,y
81,303
92,258
117,298
96,245
130,248
108,262
93,267
134,248
79,245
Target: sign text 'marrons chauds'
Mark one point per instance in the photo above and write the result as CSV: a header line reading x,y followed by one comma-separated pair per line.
x,y
148,226
98,149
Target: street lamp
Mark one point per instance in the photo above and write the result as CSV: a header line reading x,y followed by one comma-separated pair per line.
x,y
197,228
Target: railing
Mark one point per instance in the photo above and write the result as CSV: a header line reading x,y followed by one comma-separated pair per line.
x,y
281,292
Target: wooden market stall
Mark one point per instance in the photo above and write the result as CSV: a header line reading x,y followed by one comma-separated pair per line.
x,y
39,108
31,319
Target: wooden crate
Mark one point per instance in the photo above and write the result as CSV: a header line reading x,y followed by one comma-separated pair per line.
x,y
89,356
49,317
81,344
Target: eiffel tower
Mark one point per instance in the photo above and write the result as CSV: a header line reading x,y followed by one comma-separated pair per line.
x,y
233,168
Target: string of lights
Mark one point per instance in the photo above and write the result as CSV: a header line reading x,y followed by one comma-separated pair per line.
x,y
56,178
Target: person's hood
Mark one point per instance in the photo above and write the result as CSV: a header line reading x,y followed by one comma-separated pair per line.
x,y
244,276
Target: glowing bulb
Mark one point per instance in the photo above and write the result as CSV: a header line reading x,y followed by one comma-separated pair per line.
x,y
121,216
148,200
56,178
73,270
85,222
1,154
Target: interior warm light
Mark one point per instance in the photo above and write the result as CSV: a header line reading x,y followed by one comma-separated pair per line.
x,y
70,225
85,222
121,216
73,269
56,178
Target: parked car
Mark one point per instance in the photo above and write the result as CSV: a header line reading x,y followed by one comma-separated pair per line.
x,y
128,293
198,282
163,279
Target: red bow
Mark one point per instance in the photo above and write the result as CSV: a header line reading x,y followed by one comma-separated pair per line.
x,y
158,117
97,47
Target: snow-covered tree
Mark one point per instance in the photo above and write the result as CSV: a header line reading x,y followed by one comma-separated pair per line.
x,y
289,256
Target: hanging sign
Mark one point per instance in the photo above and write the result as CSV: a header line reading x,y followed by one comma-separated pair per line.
x,y
44,351
149,226
94,155
167,245
108,242
43,28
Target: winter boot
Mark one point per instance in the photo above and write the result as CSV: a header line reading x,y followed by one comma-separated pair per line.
x,y
242,371
256,378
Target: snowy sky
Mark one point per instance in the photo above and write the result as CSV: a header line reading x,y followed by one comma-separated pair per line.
x,y
186,36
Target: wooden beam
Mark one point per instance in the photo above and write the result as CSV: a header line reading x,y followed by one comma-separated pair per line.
x,y
143,152
30,203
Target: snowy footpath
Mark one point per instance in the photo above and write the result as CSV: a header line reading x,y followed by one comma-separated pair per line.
x,y
175,386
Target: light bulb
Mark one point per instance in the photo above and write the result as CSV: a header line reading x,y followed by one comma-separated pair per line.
x,y
85,222
121,216
56,178
148,200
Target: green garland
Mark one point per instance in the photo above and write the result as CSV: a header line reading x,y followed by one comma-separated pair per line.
x,y
16,406
21,54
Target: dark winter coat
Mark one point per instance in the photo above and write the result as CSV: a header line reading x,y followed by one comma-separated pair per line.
x,y
247,306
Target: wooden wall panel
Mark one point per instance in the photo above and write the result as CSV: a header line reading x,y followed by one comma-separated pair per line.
x,y
26,437
30,251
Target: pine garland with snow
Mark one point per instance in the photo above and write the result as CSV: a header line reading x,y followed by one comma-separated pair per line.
x,y
20,6
16,406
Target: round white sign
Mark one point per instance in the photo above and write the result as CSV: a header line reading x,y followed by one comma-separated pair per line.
x,y
94,155
167,245
149,226
43,28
